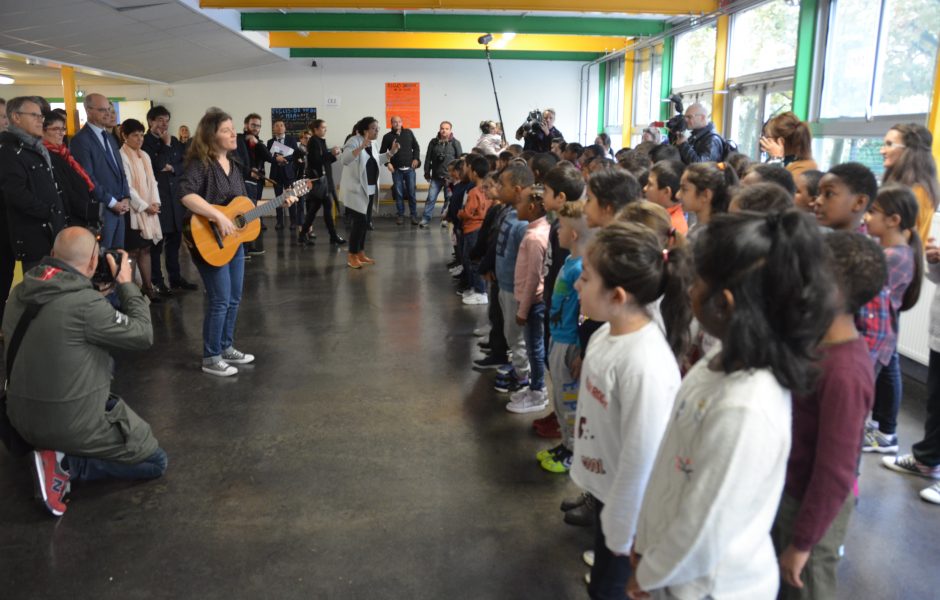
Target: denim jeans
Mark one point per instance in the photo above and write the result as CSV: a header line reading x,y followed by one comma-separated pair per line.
x,y
403,187
610,572
888,396
223,295
535,345
435,186
472,278
82,468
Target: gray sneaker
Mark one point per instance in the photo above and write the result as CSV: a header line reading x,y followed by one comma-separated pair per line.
x,y
423,224
237,357
219,368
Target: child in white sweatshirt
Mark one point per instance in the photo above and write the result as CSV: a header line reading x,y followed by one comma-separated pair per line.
x,y
629,380
704,527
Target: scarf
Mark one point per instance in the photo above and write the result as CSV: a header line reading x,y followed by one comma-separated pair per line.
x,y
140,177
63,151
33,143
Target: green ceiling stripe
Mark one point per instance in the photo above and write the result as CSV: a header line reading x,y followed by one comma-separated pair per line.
x,y
448,23
426,53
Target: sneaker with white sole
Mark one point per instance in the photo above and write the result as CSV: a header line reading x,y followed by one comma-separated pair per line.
x,y
588,558
476,299
456,270
219,368
533,401
931,494
883,443
518,396
510,384
237,357
52,481
906,463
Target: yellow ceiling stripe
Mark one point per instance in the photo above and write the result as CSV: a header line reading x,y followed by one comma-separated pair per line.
x,y
656,7
446,41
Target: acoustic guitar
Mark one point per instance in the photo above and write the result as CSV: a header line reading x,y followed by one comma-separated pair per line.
x,y
217,250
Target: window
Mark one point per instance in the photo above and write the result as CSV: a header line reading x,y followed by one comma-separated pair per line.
x,y
880,56
830,151
752,106
764,38
648,75
694,57
613,104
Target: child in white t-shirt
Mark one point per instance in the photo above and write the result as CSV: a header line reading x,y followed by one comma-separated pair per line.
x,y
629,379
704,527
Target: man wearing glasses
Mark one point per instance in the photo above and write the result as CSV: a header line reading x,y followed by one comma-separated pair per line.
x,y
96,150
28,187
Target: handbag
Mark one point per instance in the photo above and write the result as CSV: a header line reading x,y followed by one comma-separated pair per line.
x,y
11,438
321,189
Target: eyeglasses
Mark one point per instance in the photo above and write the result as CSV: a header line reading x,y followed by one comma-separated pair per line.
x,y
56,129
889,145
33,115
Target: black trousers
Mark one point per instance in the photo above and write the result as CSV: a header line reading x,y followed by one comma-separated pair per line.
x,y
498,346
169,246
358,230
927,450
296,210
7,265
610,573
313,206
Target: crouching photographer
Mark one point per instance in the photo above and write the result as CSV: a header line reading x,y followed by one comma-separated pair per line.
x,y
60,330
539,131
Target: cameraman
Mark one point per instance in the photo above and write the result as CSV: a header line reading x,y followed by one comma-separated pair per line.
x,y
540,135
58,395
704,145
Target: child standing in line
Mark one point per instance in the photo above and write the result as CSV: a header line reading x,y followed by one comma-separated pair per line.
x,y
818,497
629,380
471,220
514,184
892,219
705,191
489,233
608,191
807,189
564,350
704,528
661,188
528,292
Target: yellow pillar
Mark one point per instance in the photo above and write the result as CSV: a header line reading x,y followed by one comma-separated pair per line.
x,y
68,93
719,88
628,70
933,120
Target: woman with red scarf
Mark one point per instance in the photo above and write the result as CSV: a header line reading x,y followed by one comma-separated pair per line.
x,y
80,206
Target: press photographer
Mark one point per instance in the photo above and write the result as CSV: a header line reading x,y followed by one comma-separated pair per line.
x,y
705,144
61,332
539,131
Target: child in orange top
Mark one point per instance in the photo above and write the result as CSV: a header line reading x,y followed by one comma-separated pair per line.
x,y
661,188
471,218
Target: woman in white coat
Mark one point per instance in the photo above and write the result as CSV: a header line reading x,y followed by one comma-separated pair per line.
x,y
359,185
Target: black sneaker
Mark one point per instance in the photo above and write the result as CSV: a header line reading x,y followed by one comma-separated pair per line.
x,y
582,516
489,362
161,289
569,503
182,284
511,385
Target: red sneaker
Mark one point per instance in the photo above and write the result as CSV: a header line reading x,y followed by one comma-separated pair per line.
x,y
549,432
51,479
540,423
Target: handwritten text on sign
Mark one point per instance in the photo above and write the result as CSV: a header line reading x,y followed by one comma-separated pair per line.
x,y
403,100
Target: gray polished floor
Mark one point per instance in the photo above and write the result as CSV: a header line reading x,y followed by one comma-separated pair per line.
x,y
360,457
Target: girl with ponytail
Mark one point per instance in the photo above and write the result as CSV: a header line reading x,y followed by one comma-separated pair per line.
x,y
705,190
892,219
704,526
787,139
629,380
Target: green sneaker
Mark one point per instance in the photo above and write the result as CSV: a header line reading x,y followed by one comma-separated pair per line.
x,y
559,463
549,452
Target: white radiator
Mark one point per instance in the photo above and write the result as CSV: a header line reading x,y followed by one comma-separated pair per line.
x,y
914,335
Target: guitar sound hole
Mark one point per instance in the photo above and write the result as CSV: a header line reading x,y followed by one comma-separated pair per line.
x,y
239,221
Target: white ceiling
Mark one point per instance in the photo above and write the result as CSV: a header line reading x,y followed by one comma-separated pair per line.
x,y
159,40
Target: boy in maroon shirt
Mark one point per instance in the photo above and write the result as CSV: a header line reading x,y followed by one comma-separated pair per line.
x,y
828,426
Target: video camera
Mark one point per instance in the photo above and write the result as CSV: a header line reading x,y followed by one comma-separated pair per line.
x,y
676,124
533,121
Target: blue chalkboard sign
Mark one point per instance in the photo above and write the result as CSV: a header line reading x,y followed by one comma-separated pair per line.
x,y
296,119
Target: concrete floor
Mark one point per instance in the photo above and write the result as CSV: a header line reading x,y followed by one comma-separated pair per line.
x,y
360,457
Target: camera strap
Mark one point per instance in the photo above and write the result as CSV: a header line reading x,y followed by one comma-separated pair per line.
x,y
28,315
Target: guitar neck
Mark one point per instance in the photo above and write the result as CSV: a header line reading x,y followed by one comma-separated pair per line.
x,y
268,208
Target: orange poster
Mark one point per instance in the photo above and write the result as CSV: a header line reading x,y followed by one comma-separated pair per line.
x,y
403,100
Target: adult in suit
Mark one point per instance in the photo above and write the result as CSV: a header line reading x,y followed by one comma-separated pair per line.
x,y
250,156
284,170
96,151
166,156
360,184
320,161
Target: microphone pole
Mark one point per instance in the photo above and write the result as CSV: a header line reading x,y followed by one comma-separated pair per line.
x,y
502,126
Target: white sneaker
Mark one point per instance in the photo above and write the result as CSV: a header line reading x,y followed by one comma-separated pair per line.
x,y
237,357
588,558
219,368
519,396
931,494
587,578
482,331
475,298
465,293
457,270
533,401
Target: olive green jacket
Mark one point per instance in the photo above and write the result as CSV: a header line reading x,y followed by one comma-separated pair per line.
x,y
61,378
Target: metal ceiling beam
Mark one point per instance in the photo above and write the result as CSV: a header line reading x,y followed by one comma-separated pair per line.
x,y
446,54
423,22
448,41
654,7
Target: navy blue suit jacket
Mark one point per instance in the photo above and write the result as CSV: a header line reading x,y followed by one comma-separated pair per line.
x,y
285,174
110,180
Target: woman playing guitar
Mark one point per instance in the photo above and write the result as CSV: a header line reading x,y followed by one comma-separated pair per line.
x,y
210,179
